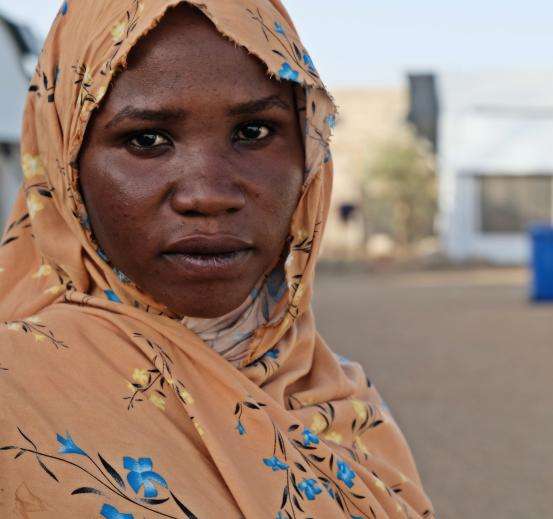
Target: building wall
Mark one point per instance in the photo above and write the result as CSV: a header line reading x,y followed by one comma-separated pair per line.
x,y
368,118
10,179
13,87
491,124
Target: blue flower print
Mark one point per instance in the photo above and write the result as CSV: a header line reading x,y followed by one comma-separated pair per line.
x,y
310,488
140,473
273,354
240,428
309,62
309,438
85,223
279,29
112,296
331,121
103,255
287,72
122,277
110,512
275,463
345,473
276,284
63,9
68,446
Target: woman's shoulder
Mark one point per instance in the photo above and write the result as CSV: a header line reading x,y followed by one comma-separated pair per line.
x,y
40,332
53,339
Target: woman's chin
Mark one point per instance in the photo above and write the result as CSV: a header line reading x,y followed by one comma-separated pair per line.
x,y
209,300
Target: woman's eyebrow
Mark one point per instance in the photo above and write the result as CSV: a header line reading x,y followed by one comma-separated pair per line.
x,y
138,114
259,105
173,114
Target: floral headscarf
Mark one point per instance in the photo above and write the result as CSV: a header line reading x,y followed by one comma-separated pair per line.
x,y
111,406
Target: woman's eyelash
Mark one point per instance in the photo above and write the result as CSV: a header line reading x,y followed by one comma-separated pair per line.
x,y
267,130
252,132
152,139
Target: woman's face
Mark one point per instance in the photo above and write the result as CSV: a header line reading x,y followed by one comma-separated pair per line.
x,y
192,168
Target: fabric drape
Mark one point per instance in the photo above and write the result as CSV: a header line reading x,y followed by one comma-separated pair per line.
x,y
110,405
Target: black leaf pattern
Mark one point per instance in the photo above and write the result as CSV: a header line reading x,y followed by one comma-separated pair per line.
x,y
27,438
113,473
284,497
154,501
297,503
47,470
86,490
187,512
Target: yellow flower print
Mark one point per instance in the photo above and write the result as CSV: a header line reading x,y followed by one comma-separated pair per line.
x,y
198,427
54,290
334,436
34,204
141,376
157,400
318,424
32,166
14,327
360,445
308,401
289,261
87,77
302,235
359,408
186,396
43,271
101,93
118,31
379,483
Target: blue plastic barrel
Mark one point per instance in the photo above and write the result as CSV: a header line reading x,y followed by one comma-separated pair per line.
x,y
542,262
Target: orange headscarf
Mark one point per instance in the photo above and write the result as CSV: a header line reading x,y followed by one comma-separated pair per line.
x,y
110,406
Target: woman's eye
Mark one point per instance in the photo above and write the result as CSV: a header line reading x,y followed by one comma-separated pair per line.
x,y
253,132
148,140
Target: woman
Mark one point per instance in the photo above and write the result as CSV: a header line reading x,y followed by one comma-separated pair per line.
x,y
158,355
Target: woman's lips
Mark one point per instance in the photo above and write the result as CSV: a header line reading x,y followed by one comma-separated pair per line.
x,y
209,257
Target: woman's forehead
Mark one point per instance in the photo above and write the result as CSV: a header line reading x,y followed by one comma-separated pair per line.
x,y
187,55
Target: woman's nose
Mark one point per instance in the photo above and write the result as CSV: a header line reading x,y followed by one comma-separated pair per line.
x,y
207,189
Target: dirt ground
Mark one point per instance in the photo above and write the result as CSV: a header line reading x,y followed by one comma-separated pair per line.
x,y
465,363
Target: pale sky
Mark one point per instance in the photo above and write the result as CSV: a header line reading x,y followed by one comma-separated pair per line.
x,y
365,42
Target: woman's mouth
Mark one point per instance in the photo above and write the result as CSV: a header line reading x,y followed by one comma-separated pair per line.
x,y
209,257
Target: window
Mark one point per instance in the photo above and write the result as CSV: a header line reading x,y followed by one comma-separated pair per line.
x,y
509,204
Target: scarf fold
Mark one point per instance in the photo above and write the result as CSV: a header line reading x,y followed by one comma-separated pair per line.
x,y
114,407
231,335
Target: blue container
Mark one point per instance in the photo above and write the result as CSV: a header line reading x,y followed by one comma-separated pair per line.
x,y
542,262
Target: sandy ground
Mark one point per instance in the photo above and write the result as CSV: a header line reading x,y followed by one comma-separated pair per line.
x,y
465,363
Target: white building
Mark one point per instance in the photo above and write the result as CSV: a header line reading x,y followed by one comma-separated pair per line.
x,y
18,51
495,156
